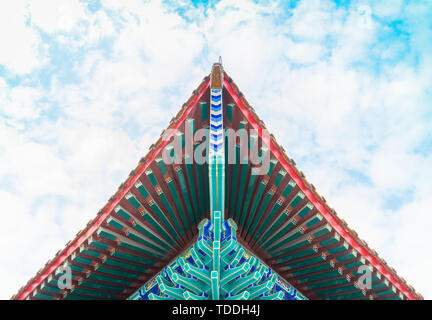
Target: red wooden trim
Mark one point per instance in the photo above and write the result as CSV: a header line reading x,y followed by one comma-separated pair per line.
x,y
76,243
317,203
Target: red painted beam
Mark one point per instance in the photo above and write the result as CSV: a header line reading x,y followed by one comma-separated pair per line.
x,y
95,225
317,203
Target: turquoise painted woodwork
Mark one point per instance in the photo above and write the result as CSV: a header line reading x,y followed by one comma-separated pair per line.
x,y
216,266
192,275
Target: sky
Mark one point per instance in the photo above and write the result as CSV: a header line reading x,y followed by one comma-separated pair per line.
x,y
87,86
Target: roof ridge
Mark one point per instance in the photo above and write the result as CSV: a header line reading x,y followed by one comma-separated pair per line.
x,y
312,189
249,112
62,254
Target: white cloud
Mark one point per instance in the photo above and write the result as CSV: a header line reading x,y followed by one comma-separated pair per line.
x,y
309,17
19,102
303,53
53,16
20,46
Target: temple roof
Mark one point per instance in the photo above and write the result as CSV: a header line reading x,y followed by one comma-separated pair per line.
x,y
154,216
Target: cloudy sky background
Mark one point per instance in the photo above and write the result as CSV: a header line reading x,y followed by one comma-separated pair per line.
x,y
87,86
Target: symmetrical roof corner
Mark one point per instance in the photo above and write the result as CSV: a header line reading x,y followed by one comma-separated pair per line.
x,y
138,213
